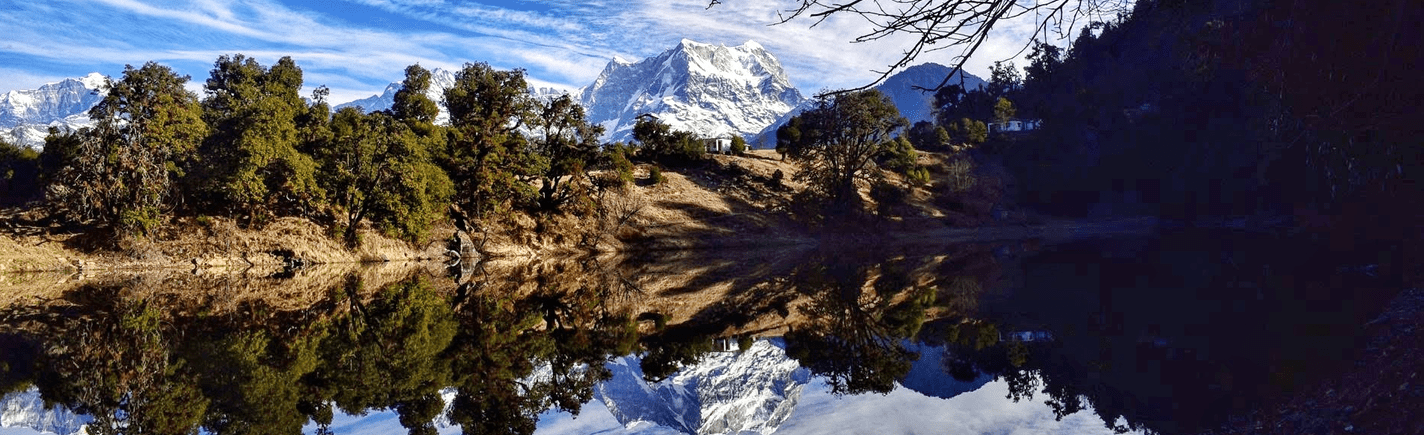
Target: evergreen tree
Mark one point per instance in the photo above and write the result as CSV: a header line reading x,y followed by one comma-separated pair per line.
x,y
253,163
565,143
969,131
374,167
411,104
660,143
486,156
926,135
1004,110
19,173
838,139
122,171
739,145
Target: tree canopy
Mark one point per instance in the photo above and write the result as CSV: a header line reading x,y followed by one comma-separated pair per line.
x,y
122,172
253,163
837,141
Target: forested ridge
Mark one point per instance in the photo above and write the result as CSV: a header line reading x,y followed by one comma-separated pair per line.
x,y
254,149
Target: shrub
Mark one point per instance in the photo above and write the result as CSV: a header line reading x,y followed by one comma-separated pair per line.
x,y
19,173
889,198
655,174
617,155
918,176
969,131
745,342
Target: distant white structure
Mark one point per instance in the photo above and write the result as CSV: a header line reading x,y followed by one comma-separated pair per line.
x,y
726,345
718,145
1026,336
1015,125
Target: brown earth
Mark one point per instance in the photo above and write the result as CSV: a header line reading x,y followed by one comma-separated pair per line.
x,y
727,202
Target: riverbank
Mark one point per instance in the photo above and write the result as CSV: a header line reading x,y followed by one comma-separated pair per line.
x,y
725,202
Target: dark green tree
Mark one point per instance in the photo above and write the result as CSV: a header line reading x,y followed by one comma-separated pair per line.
x,y
564,144
374,167
411,103
969,131
739,145
123,171
252,162
1004,79
658,142
925,135
486,156
838,140
19,174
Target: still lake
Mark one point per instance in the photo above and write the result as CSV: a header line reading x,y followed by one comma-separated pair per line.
x,y
1171,331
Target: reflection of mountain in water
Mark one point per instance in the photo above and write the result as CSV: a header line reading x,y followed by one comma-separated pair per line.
x,y
753,391
927,375
25,409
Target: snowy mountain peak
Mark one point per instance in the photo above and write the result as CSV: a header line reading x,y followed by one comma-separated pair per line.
x,y
26,115
727,393
439,80
26,410
95,80
711,90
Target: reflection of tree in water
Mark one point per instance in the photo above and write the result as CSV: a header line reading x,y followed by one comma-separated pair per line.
x,y
139,367
1173,334
858,320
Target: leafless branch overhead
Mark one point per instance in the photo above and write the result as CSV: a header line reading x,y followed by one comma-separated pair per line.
x,y
949,24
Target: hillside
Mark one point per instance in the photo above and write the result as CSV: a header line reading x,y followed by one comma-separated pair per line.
x,y
725,202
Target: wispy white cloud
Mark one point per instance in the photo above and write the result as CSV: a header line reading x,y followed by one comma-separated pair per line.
x,y
561,43
24,79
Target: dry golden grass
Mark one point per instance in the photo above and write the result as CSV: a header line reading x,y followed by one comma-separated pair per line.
x,y
206,243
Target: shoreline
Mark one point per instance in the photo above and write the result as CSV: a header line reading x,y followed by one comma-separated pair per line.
x,y
288,244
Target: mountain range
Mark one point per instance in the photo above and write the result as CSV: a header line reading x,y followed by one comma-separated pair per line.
x,y
27,115
752,391
711,90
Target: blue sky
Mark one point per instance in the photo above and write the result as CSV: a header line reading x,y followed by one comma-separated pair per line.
x,y
356,47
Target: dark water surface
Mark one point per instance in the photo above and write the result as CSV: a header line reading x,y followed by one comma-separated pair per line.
x,y
1173,333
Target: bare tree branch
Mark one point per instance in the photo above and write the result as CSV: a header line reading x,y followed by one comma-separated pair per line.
x,y
945,24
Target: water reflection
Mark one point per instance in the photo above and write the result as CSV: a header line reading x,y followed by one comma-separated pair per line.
x,y
1169,334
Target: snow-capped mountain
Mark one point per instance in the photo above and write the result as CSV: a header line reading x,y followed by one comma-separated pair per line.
x,y
440,80
749,392
914,104
711,90
26,115
26,410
